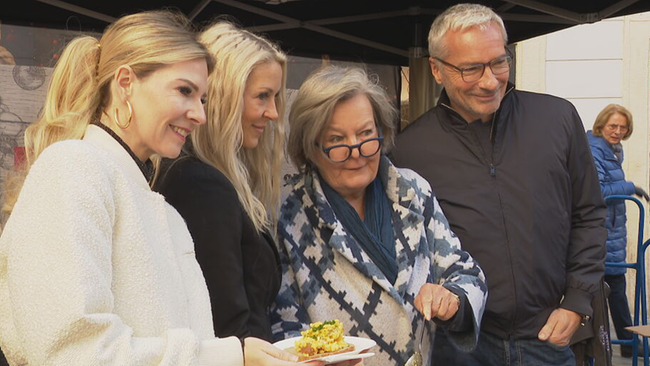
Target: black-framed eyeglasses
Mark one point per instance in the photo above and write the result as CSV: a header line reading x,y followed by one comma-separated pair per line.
x,y
614,127
342,152
472,73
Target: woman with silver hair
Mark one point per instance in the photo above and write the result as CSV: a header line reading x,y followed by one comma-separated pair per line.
x,y
362,241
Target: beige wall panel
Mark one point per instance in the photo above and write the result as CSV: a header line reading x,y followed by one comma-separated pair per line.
x,y
588,108
584,79
531,65
636,91
601,40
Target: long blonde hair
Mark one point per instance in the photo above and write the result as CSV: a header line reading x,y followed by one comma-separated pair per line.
x,y
79,88
255,173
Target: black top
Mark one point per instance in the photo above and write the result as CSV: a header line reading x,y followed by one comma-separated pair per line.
x,y
531,212
483,132
241,266
146,167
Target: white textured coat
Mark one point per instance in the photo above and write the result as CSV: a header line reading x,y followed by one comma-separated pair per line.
x,y
96,269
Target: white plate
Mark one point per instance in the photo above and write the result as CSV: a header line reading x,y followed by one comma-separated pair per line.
x,y
360,345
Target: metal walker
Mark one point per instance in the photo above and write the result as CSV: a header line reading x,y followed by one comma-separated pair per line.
x,y
640,316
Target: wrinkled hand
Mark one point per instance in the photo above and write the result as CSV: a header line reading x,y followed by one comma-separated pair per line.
x,y
435,301
258,352
638,191
560,326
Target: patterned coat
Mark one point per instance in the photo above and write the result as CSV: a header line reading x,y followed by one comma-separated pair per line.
x,y
326,274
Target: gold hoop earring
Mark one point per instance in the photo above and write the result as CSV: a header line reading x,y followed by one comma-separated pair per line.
x,y
128,104
128,122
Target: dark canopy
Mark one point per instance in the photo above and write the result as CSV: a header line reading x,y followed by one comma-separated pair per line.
x,y
372,31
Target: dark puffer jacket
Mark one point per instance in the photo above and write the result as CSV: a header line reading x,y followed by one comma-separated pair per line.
x,y
612,181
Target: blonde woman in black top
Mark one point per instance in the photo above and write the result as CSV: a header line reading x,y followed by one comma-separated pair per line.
x,y
226,186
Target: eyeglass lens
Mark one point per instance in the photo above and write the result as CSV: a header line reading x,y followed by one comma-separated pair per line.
x,y
616,127
498,66
341,153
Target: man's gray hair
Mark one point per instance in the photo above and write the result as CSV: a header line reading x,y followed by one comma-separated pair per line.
x,y
461,17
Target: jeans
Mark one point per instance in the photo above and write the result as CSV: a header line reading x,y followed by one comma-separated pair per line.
x,y
494,351
618,306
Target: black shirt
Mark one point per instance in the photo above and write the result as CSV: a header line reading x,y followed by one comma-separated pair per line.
x,y
241,265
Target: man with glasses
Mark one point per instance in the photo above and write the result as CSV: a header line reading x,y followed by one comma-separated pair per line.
x,y
514,175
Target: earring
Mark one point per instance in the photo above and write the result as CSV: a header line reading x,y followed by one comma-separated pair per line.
x,y
128,123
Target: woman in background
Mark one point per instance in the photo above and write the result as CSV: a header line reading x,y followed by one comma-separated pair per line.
x,y
226,185
613,125
95,268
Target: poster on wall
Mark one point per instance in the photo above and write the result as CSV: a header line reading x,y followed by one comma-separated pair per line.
x,y
27,55
22,91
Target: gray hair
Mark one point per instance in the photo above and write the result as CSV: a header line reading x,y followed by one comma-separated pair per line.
x,y
461,17
312,110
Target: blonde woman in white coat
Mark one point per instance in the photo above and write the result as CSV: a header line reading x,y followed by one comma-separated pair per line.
x,y
95,268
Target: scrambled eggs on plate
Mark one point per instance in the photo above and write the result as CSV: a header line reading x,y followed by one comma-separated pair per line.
x,y
322,338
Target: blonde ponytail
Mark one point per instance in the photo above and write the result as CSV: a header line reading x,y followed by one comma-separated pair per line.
x,y
79,88
72,101
72,98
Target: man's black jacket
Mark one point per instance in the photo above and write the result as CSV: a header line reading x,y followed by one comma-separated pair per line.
x,y
531,214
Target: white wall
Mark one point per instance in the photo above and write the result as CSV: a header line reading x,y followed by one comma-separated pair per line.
x,y
583,64
594,65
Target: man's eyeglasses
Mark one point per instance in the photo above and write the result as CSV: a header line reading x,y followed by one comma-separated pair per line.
x,y
341,153
613,128
472,73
